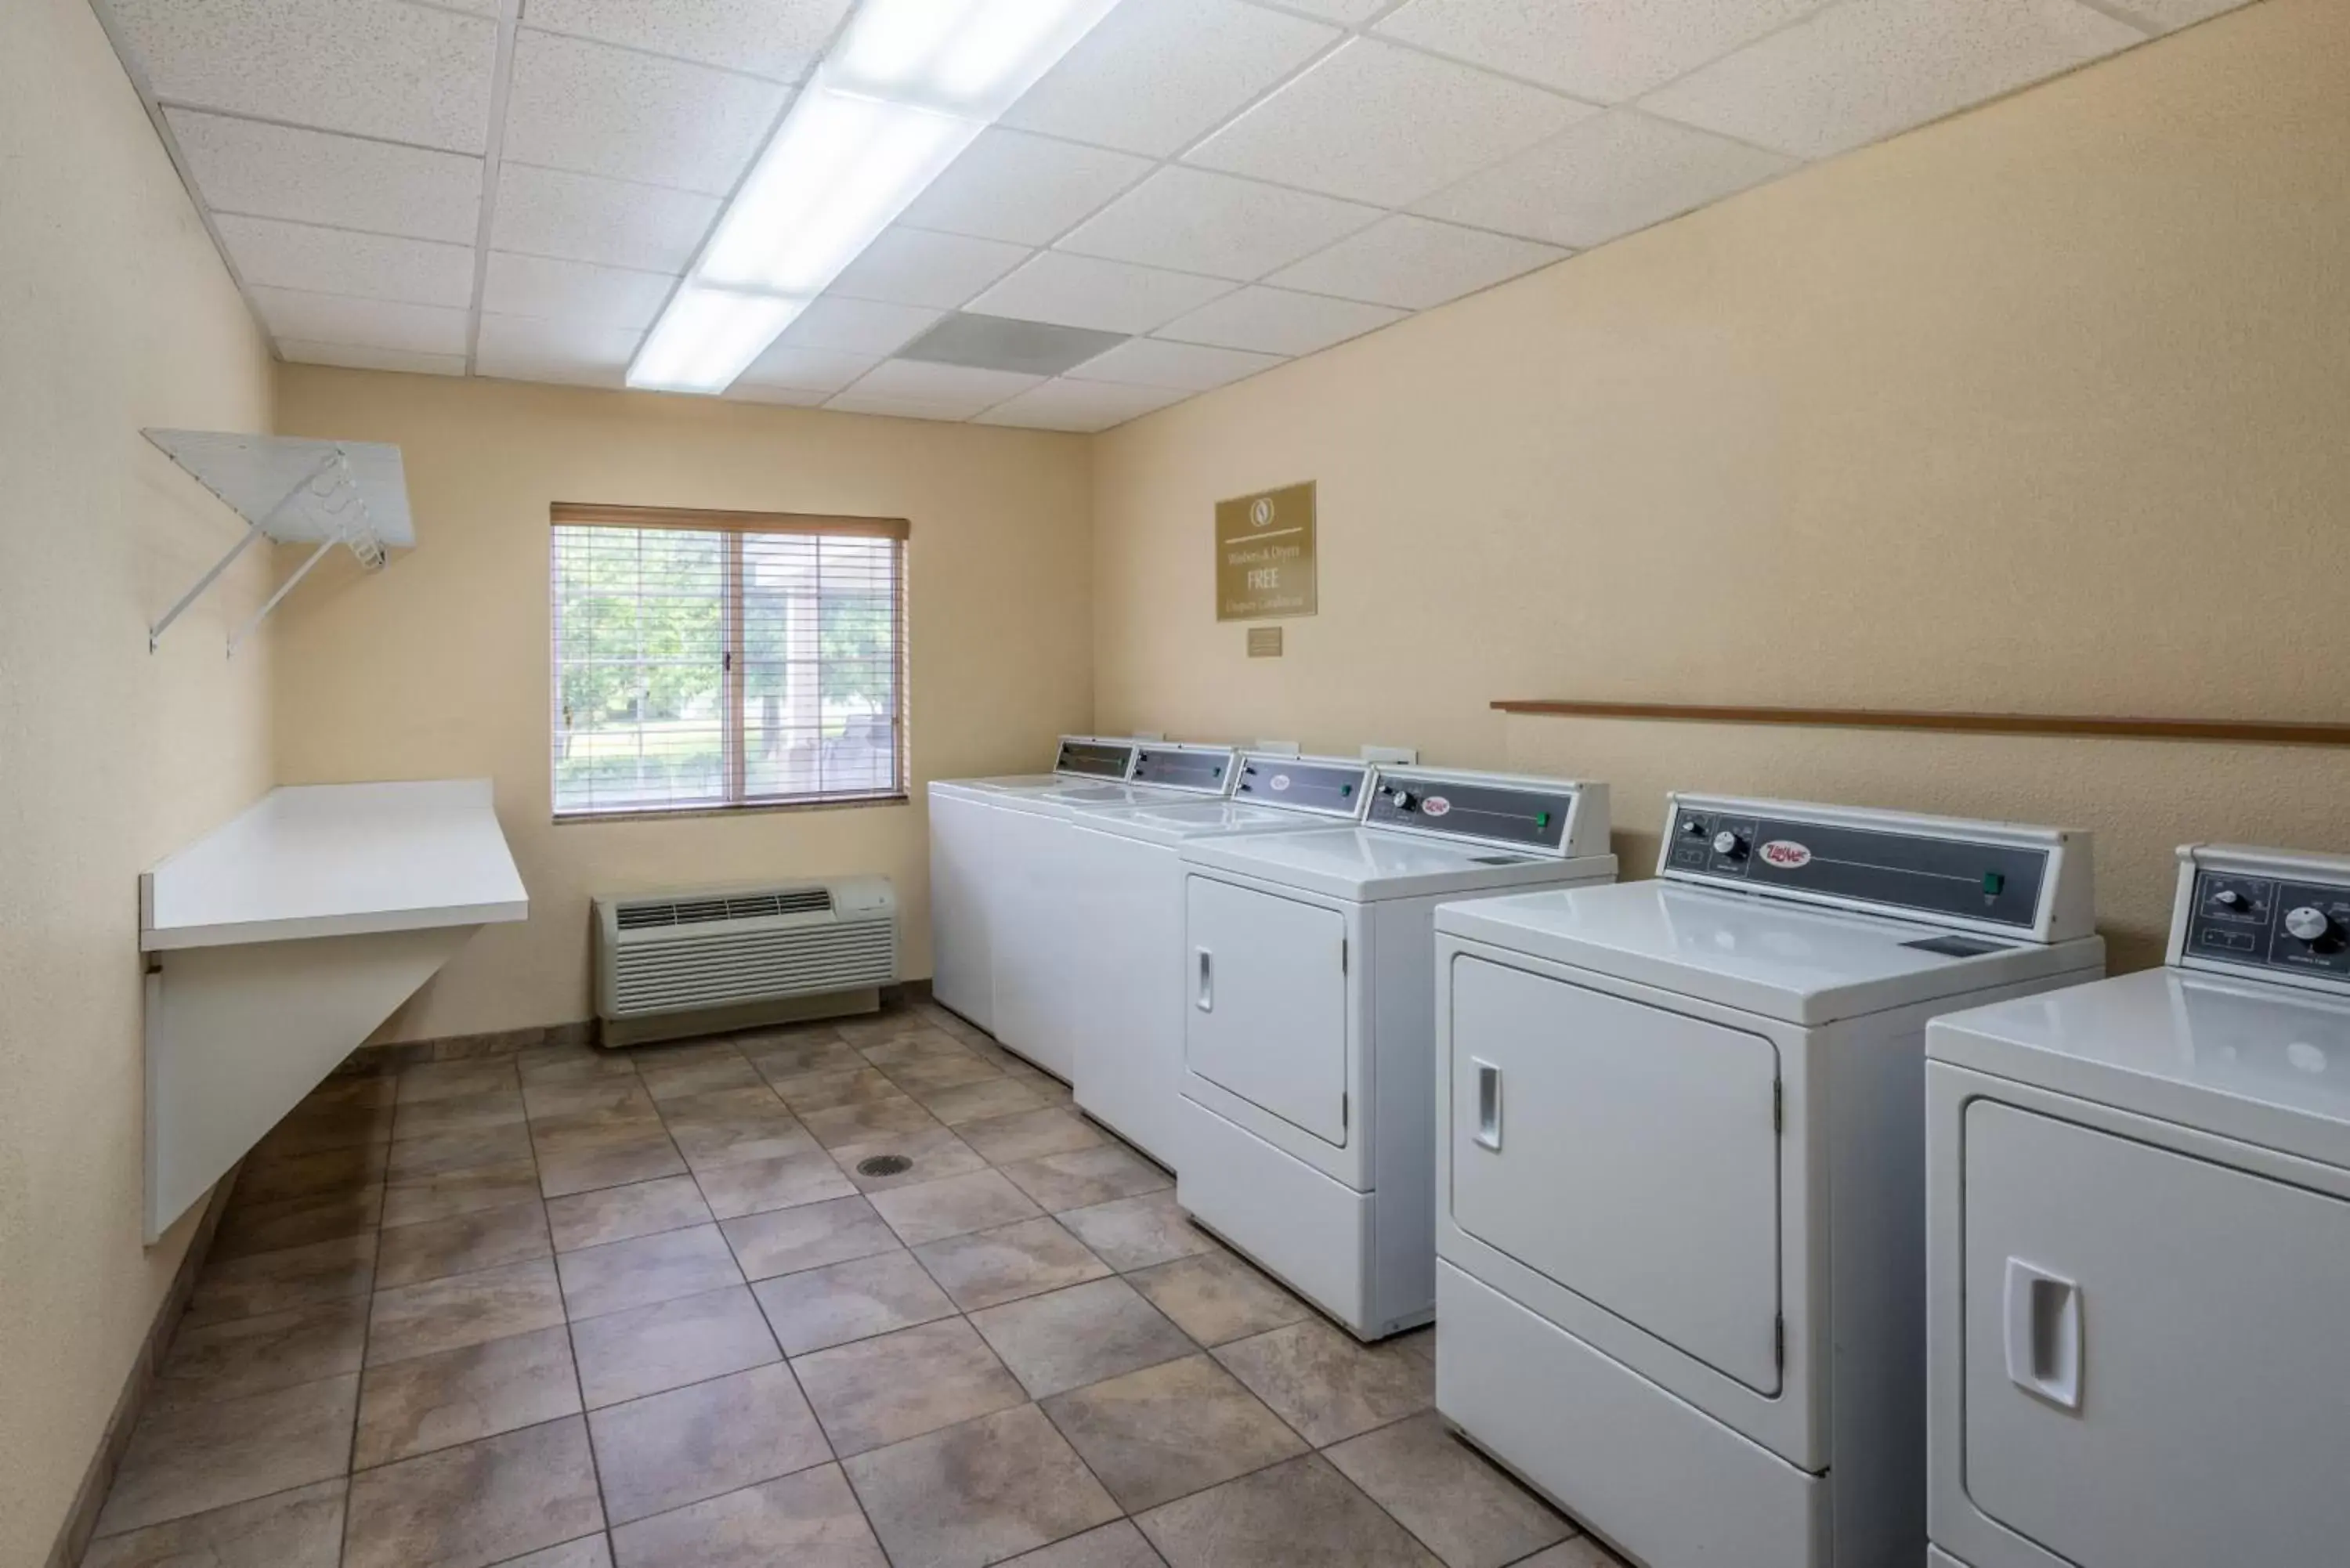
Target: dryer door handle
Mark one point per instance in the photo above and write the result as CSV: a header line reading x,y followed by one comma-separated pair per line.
x,y
2043,1334
1489,1105
1205,998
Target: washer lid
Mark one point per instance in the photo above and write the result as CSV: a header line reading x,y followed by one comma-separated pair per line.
x,y
1784,961
1173,822
2268,1064
1361,864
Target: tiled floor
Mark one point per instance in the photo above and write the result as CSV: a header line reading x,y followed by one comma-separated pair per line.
x,y
573,1309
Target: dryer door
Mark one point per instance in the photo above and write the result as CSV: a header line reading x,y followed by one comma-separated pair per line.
x,y
1628,1153
1267,1002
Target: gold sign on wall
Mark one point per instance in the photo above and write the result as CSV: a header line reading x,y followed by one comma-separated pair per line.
x,y
1264,554
1264,642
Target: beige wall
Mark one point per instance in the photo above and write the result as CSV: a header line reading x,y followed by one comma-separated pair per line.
x,y
115,314
2043,408
438,667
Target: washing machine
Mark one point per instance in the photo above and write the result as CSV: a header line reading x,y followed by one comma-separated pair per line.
x,y
1122,887
962,873
1306,1128
1681,1174
2139,1245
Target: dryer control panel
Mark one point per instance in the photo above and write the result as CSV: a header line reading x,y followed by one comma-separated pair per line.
x,y
1201,770
1082,756
1538,817
1321,786
2267,910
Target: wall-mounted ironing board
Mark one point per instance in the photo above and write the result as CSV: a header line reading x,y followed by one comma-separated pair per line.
x,y
277,942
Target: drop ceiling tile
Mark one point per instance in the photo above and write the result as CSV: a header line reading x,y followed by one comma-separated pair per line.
x,y
1347,13
552,289
1194,221
942,387
821,372
1028,189
1415,264
1069,404
1608,176
1603,50
1276,321
1156,73
2172,14
316,177
1176,367
356,359
519,348
856,402
857,325
277,255
1865,69
602,110
1110,296
373,67
781,39
1387,125
291,314
917,267
578,217
787,396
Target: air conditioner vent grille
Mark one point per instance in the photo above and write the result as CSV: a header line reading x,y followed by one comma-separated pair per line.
x,y
705,911
732,967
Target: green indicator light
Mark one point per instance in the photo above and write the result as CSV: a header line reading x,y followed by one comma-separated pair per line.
x,y
1542,819
1993,882
1347,789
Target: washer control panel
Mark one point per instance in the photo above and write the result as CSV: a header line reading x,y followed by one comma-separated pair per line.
x,y
1529,815
1201,770
1323,786
2272,922
1082,756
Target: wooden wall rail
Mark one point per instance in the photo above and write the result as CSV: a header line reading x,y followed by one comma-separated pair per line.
x,y
2254,731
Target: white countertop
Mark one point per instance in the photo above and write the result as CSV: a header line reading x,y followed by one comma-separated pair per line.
x,y
324,860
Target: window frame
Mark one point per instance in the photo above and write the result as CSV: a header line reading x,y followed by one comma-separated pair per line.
x,y
736,526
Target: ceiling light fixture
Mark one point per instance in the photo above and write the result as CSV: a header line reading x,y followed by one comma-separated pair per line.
x,y
909,87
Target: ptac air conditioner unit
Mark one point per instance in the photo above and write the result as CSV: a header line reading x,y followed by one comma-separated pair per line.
x,y
673,964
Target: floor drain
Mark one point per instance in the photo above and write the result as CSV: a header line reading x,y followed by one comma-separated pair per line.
x,y
884,1165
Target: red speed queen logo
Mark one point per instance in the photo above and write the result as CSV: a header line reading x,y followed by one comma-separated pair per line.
x,y
1786,852
1435,805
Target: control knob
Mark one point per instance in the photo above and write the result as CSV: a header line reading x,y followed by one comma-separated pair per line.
x,y
2308,923
1694,827
1401,799
2228,899
1729,845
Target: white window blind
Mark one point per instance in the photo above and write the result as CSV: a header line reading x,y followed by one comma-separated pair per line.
x,y
708,659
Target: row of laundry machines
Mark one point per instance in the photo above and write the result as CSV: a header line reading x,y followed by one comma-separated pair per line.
x,y
1814,1193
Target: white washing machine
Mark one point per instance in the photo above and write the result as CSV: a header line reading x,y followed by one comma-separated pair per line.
x,y
1681,1173
1307,1130
2138,1246
1122,887
964,875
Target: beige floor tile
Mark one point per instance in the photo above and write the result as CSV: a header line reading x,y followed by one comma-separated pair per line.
x,y
891,1023
588,1551
1215,1297
499,1107
254,1354
910,1045
989,1097
678,1052
1461,1508
672,1080
953,1206
482,1504
647,1268
881,1391
822,1091
1116,1544
1130,1234
818,1308
808,1521
202,1457
262,1283
328,1170
453,1397
783,1182
800,1058
640,1156
1029,1135
441,1315
865,1121
1580,1552
929,1075
1325,1384
651,1349
571,1064
978,1493
1085,1176
1298,1514
460,1192
988,1268
333,1127
349,1090
669,1449
462,1244
733,1125
771,1036
298,1529
786,1241
251,1228
1169,1430
1067,1338
446,1080
576,1104
623,1213
935,1153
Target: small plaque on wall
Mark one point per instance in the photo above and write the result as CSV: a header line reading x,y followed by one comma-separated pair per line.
x,y
1264,642
1264,554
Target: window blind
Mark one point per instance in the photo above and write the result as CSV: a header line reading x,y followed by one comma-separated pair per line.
x,y
755,659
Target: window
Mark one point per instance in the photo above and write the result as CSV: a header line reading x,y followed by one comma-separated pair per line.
x,y
710,659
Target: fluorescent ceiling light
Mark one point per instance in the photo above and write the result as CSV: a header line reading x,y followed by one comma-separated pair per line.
x,y
907,89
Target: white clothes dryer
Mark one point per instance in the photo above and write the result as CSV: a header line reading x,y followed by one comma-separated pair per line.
x,y
1680,1175
1307,1130
2139,1245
